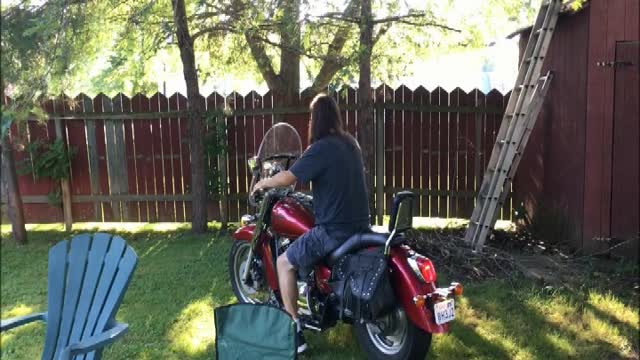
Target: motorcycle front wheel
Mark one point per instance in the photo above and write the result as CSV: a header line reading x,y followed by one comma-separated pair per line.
x,y
256,292
393,336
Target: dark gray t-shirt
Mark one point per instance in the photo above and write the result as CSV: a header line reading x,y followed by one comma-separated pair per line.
x,y
335,169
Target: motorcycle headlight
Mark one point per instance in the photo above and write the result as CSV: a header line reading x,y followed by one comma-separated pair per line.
x,y
247,219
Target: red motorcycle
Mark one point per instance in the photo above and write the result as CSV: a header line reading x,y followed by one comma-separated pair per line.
x,y
420,308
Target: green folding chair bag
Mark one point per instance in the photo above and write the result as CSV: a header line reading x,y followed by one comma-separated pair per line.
x,y
254,331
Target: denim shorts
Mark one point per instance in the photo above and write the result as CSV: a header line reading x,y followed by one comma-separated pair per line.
x,y
314,245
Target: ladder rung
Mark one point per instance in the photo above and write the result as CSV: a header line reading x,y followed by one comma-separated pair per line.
x,y
547,3
537,32
494,170
485,197
516,114
477,223
534,58
526,85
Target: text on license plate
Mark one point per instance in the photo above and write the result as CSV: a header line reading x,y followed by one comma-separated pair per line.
x,y
444,311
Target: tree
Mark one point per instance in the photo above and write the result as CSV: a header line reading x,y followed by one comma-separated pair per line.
x,y
365,103
14,200
365,51
274,35
46,55
196,123
37,56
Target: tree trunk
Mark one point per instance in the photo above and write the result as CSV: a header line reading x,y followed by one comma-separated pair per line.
x,y
288,91
14,200
365,104
196,126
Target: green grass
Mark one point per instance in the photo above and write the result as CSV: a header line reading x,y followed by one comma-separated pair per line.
x,y
181,277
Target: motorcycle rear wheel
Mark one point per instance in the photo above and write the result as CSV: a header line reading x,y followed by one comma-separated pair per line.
x,y
256,293
394,337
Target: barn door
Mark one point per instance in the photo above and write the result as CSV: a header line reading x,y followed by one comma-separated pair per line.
x,y
625,177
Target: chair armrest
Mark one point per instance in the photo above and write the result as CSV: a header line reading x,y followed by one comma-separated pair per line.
x,y
21,320
95,342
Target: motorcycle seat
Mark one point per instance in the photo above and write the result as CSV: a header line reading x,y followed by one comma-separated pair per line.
x,y
358,242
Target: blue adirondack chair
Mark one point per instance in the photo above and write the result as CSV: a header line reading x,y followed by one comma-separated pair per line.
x,y
88,277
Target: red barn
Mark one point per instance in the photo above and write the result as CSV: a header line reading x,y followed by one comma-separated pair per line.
x,y
580,170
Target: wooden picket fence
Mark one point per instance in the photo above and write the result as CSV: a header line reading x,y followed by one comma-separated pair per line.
x,y
133,164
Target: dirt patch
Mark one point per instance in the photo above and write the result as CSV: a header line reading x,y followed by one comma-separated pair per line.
x,y
448,250
511,255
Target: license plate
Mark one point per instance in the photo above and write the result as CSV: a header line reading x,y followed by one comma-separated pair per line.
x,y
444,311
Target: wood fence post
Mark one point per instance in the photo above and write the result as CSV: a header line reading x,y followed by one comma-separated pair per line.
x,y
92,155
120,150
379,160
222,166
478,141
66,187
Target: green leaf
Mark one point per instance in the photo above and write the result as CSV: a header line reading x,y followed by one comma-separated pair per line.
x,y
48,160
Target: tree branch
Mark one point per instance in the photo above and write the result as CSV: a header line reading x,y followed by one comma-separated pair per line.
x,y
429,23
229,28
401,19
383,30
338,17
213,29
263,62
333,61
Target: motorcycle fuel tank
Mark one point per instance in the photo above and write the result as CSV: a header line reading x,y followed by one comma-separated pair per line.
x,y
289,218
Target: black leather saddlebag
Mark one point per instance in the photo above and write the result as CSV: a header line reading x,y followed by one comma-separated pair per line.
x,y
362,285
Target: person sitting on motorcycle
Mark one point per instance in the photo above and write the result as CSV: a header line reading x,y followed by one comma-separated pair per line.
x,y
334,166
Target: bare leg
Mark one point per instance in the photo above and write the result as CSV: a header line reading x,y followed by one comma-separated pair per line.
x,y
288,285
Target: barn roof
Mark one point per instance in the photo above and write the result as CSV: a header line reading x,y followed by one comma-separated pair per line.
x,y
567,9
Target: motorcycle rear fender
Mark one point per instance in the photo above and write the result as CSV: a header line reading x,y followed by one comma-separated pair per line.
x,y
407,286
245,233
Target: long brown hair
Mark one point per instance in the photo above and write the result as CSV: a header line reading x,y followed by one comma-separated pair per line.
x,y
325,118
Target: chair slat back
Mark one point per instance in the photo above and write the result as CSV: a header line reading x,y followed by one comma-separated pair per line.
x,y
77,264
88,277
55,292
98,251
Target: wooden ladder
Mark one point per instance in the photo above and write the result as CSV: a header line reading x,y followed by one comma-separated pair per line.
x,y
522,110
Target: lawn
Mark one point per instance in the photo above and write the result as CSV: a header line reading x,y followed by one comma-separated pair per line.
x,y
181,277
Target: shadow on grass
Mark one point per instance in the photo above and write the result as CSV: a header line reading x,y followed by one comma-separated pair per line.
x,y
551,327
474,344
623,327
